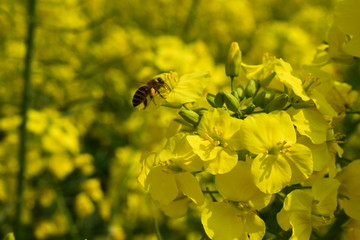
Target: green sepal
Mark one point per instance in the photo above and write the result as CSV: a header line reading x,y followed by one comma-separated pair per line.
x,y
266,81
219,99
277,103
259,99
232,103
211,99
240,92
251,88
190,116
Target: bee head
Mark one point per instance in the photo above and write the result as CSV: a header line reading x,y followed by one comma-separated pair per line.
x,y
160,80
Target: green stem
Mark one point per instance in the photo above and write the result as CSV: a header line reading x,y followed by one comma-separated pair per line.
x,y
24,109
190,20
60,200
186,107
157,228
232,85
211,194
287,107
352,112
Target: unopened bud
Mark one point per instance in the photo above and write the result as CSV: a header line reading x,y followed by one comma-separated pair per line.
x,y
219,99
269,96
211,99
259,99
250,108
240,92
266,81
233,64
231,102
200,111
263,98
190,116
277,103
298,103
250,88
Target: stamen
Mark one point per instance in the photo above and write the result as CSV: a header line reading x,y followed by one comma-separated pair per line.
x,y
211,140
218,132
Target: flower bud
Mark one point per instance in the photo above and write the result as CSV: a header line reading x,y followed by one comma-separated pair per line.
x,y
190,116
219,99
240,92
269,96
233,64
259,99
211,99
231,102
263,98
266,81
200,111
250,108
297,102
250,88
277,103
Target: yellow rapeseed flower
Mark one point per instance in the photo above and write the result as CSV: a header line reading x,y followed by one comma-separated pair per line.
x,y
217,142
280,160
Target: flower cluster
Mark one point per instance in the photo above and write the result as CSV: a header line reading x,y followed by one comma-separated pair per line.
x,y
270,138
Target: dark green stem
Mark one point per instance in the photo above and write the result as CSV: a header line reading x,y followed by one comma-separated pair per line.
x,y
287,107
352,112
64,208
211,194
24,109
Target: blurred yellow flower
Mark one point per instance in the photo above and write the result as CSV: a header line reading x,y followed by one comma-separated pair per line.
x,y
60,165
93,189
349,199
84,207
347,19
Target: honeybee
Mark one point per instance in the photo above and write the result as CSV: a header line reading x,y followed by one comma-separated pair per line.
x,y
150,89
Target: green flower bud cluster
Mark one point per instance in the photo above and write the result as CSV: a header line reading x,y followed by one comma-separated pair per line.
x,y
256,95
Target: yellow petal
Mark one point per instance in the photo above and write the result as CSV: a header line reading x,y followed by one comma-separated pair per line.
x,y
298,200
176,209
189,186
222,221
203,148
325,191
254,226
188,88
284,72
236,185
311,123
300,160
162,185
320,153
271,173
261,132
301,226
223,163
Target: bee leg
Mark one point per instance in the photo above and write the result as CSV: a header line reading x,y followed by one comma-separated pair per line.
x,y
160,94
153,99
145,103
